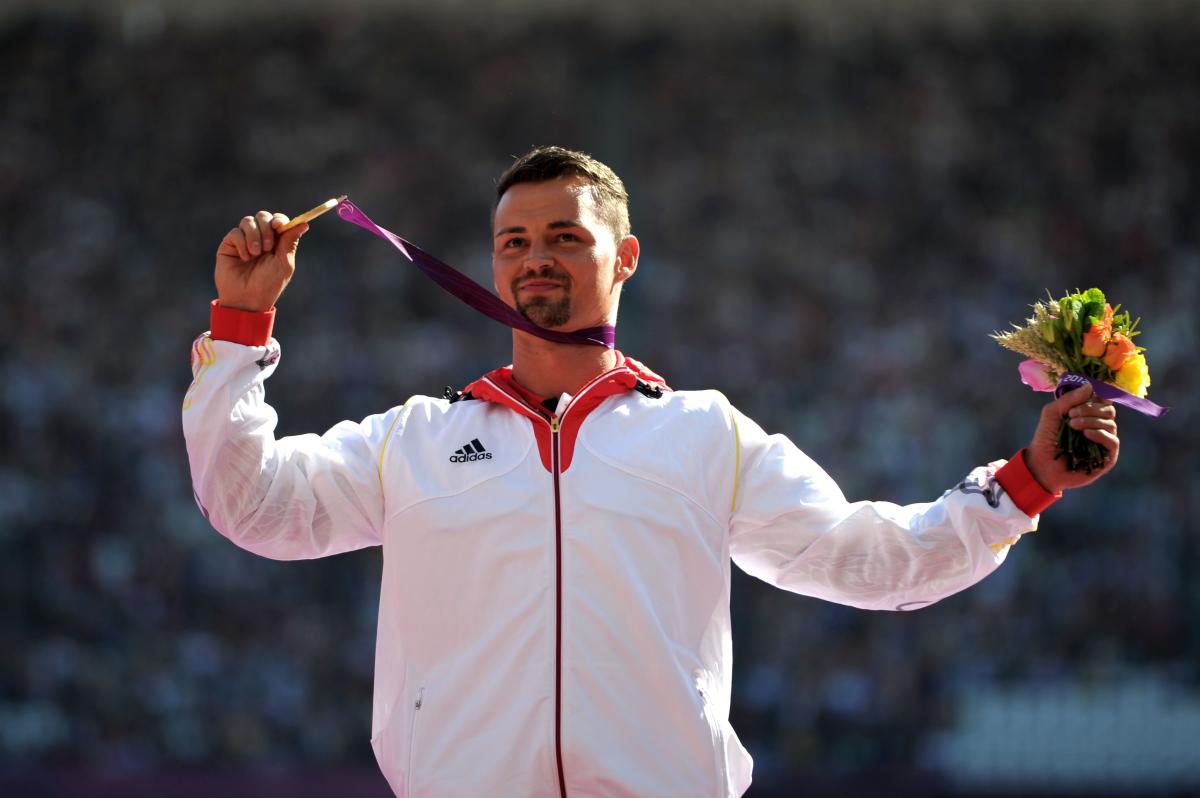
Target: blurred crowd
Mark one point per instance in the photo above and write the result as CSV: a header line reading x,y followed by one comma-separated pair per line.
x,y
830,230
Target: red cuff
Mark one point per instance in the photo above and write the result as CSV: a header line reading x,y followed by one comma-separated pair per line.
x,y
1021,486
241,326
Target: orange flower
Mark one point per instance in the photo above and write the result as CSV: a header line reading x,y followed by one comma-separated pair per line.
x,y
1096,338
1120,349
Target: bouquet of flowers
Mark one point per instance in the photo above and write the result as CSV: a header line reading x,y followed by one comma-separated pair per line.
x,y
1076,339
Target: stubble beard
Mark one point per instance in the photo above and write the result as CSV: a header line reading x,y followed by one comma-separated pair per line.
x,y
546,312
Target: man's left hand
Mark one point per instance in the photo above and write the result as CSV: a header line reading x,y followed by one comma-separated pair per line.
x,y
1095,418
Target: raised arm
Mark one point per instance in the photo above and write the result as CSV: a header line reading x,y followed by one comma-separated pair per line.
x,y
293,498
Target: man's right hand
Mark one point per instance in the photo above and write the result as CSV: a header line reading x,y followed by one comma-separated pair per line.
x,y
255,261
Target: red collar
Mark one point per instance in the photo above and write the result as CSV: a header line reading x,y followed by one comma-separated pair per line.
x,y
607,383
498,386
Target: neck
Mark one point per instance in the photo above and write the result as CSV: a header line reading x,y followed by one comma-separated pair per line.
x,y
549,369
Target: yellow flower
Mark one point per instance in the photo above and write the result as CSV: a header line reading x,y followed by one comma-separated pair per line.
x,y
1134,376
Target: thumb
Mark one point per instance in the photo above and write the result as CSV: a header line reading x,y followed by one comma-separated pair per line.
x,y
289,241
1070,399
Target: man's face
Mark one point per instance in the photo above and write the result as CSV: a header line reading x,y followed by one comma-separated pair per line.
x,y
553,257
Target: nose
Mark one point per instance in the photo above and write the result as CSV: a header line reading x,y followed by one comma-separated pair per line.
x,y
538,257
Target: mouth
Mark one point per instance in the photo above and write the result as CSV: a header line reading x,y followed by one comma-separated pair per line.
x,y
539,286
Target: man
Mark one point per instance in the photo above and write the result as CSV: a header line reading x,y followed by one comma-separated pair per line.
x,y
554,613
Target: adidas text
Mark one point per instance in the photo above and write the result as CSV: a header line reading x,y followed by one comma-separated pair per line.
x,y
470,458
470,453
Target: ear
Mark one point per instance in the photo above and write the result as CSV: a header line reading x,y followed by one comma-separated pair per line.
x,y
627,258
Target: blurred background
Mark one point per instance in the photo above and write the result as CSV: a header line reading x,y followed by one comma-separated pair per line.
x,y
837,203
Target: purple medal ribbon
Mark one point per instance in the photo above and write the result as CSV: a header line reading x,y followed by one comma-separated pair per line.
x,y
471,292
1071,381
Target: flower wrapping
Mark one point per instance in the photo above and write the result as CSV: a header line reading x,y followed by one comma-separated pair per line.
x,y
1080,339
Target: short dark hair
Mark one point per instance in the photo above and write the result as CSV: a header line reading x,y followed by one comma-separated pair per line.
x,y
550,163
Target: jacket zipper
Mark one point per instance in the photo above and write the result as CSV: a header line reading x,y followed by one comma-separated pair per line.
x,y
555,468
554,460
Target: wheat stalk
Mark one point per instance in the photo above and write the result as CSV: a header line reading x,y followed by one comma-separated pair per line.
x,y
1028,340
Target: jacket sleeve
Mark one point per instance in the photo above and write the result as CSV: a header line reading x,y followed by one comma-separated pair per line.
x,y
792,527
294,498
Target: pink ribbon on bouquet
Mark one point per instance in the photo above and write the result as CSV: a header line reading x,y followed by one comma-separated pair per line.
x,y
471,292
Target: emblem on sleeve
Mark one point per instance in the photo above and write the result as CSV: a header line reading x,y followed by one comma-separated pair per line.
x,y
988,488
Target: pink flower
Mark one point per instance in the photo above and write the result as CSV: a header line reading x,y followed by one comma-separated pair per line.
x,y
1034,375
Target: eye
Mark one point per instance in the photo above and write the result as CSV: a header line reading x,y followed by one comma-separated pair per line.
x,y
567,237
513,243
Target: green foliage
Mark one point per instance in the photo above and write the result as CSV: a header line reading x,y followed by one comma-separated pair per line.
x,y
1069,309
1093,307
1122,324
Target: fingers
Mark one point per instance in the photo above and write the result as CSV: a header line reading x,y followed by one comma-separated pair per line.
x,y
1105,437
1108,440
265,231
255,235
249,229
1094,422
1099,408
1063,404
1097,420
1081,403
234,244
259,235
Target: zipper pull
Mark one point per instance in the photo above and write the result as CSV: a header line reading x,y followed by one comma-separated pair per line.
x,y
420,698
554,424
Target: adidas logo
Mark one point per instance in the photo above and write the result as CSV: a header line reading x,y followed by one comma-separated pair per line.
x,y
470,453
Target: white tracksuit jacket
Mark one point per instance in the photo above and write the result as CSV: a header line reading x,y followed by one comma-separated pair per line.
x,y
554,614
